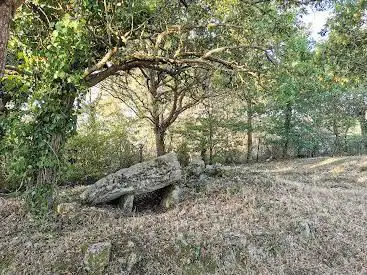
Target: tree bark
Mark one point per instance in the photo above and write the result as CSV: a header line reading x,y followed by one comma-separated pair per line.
x,y
6,12
363,125
57,139
7,9
203,154
287,128
159,141
337,141
157,119
211,134
249,131
211,144
48,175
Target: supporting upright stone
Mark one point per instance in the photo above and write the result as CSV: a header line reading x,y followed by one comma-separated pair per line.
x,y
126,204
171,197
195,168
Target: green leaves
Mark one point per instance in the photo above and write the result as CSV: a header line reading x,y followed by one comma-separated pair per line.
x,y
55,41
55,55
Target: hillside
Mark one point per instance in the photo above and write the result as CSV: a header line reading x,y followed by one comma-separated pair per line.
x,y
306,216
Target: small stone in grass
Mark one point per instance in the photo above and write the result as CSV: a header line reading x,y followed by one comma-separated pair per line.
x,y
67,208
132,261
97,257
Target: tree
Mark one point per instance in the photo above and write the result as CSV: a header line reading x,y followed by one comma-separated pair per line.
x,y
7,10
344,51
160,97
202,131
50,109
292,88
61,48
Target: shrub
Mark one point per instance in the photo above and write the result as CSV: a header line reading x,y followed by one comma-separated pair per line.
x,y
92,154
183,154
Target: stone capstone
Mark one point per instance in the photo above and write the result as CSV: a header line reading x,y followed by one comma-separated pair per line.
x,y
138,179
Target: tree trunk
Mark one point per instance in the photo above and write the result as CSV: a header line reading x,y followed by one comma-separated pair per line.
x,y
159,141
6,12
56,141
258,149
7,9
249,131
49,175
141,157
337,141
210,139
203,154
363,125
287,128
211,154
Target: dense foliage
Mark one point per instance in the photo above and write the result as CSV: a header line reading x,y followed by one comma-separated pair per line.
x,y
231,80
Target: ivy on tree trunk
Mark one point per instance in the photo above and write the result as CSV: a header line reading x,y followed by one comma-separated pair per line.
x,y
6,12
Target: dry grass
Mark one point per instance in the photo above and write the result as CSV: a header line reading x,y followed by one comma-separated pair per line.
x,y
297,217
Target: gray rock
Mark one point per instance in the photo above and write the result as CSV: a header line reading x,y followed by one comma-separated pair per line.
x,y
171,197
304,228
132,261
129,260
97,257
203,177
126,203
67,208
138,179
214,170
195,168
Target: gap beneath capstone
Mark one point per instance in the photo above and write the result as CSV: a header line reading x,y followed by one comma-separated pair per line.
x,y
144,203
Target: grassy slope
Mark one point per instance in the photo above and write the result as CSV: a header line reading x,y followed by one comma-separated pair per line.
x,y
299,217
